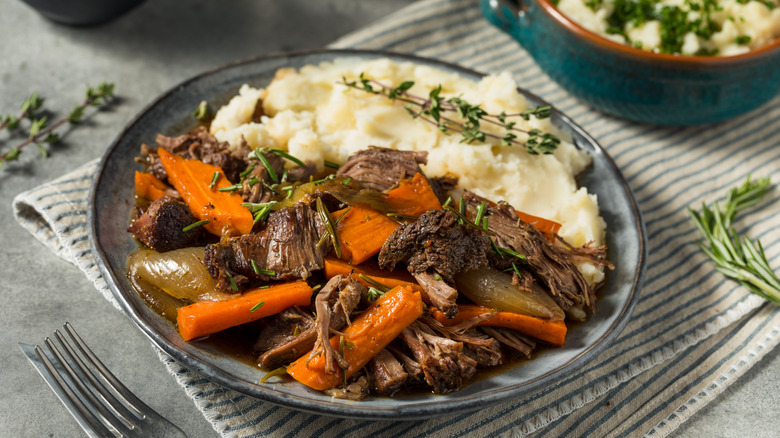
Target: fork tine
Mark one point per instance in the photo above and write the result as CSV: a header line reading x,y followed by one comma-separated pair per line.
x,y
121,390
53,376
98,387
106,416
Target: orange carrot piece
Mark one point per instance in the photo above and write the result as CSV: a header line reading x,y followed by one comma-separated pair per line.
x,y
362,232
545,226
192,179
334,267
546,330
413,197
149,186
372,331
207,317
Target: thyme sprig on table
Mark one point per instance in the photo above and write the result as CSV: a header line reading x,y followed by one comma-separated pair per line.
x,y
40,132
442,111
736,256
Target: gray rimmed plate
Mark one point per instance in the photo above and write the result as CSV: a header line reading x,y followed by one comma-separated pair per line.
x,y
112,199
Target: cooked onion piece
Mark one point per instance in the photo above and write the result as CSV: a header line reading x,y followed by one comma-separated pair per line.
x,y
490,288
179,273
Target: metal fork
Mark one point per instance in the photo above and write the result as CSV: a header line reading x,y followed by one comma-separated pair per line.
x,y
98,401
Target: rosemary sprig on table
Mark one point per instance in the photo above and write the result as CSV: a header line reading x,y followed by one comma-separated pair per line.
x,y
455,114
737,256
40,131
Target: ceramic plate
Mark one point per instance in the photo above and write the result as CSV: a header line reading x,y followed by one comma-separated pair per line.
x,y
170,114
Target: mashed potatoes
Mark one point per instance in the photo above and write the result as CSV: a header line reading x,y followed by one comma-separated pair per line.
x,y
314,117
692,27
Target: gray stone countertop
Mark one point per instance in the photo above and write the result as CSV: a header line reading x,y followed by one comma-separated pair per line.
x,y
145,52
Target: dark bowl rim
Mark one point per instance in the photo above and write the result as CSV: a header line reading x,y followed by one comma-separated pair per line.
x,y
773,48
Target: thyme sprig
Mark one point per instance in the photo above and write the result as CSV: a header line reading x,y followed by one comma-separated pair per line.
x,y
736,256
442,112
40,131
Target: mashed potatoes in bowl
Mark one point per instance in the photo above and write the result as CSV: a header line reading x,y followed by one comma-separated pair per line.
x,y
311,113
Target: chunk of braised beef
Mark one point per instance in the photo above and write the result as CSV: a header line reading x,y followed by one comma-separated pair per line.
x,y
476,345
284,248
387,373
436,241
438,292
161,226
381,169
549,264
287,326
302,173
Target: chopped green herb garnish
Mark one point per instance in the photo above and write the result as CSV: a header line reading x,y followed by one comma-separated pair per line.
x,y
232,282
257,306
282,153
194,225
277,372
259,271
381,286
271,173
202,112
512,253
347,181
330,226
232,188
743,39
214,179
261,210
331,164
437,277
374,293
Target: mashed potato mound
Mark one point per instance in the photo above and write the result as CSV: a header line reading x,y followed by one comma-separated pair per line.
x,y
315,117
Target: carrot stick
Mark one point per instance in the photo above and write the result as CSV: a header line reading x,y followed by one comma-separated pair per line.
x,y
149,186
207,317
334,267
547,330
413,197
223,209
372,331
362,232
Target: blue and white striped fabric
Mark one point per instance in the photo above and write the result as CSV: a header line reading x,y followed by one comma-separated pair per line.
x,y
692,334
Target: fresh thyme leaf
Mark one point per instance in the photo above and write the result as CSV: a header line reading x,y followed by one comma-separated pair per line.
x,y
736,256
457,115
194,225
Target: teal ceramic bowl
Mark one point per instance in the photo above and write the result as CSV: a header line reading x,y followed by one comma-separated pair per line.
x,y
634,84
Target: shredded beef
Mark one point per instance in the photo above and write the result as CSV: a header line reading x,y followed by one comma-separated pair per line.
x,y
253,188
381,169
445,367
289,337
549,264
161,226
286,245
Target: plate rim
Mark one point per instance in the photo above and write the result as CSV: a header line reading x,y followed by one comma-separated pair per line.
x,y
411,410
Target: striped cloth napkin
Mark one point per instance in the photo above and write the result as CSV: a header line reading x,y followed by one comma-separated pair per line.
x,y
693,332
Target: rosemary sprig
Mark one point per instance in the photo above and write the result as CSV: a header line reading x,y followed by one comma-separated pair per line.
x,y
41,132
736,256
260,211
442,112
